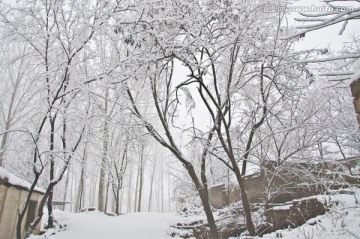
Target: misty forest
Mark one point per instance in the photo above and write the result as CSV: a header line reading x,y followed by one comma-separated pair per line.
x,y
179,119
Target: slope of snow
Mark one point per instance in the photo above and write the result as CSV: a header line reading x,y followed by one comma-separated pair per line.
x,y
95,225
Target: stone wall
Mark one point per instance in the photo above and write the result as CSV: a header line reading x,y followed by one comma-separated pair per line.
x,y
293,215
223,195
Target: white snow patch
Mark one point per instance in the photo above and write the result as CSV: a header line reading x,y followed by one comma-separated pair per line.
x,y
283,207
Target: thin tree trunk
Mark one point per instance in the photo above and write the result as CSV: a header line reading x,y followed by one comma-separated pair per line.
x,y
52,172
119,177
321,151
80,193
169,193
66,187
104,157
151,183
141,180
162,190
158,194
72,186
107,194
89,199
117,202
92,195
3,143
129,194
137,187
348,166
101,189
121,200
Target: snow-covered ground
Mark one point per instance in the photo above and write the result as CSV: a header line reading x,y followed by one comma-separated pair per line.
x,y
341,222
95,225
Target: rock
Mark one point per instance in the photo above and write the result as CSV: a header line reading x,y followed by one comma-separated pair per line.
x,y
294,215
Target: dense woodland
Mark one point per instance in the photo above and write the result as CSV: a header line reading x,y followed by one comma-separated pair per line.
x,y
130,106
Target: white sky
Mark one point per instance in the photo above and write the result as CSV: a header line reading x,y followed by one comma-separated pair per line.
x,y
327,37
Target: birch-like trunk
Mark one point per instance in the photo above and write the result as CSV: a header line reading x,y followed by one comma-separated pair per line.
x,y
104,157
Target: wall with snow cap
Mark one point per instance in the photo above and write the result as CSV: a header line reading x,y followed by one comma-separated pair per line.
x,y
13,194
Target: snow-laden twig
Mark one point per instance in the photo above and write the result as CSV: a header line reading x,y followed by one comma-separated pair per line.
x,y
334,58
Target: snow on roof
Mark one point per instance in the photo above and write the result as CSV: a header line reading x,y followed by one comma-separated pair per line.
x,y
15,181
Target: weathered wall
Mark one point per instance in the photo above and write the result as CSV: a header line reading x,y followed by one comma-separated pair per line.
x,y
355,91
12,199
223,195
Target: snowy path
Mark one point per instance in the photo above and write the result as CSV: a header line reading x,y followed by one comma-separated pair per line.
x,y
342,221
94,225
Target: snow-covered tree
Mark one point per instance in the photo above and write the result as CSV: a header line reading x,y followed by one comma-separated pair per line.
x,y
341,13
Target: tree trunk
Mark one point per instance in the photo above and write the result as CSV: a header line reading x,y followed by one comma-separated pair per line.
x,y
129,193
162,190
321,151
117,202
92,195
107,195
202,189
141,180
101,187
104,157
137,188
151,184
204,196
52,171
66,187
73,185
249,223
80,193
121,200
